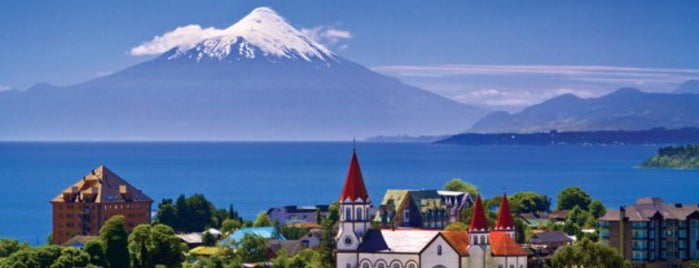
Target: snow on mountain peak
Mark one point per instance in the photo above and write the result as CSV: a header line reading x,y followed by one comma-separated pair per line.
x,y
264,33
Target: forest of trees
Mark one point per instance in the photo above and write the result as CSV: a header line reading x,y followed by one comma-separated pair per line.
x,y
678,157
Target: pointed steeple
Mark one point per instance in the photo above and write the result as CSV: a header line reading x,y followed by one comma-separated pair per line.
x,y
505,221
354,184
478,221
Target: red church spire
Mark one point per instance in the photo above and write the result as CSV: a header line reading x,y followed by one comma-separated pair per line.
x,y
354,184
505,221
478,221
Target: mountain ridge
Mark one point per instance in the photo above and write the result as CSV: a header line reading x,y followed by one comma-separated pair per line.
x,y
266,97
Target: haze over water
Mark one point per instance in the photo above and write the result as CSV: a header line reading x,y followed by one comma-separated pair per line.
x,y
255,176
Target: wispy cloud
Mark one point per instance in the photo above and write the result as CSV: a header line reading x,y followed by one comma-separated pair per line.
x,y
328,36
5,87
184,37
513,87
575,72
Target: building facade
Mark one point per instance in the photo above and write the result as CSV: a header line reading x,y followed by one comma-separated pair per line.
x,y
296,214
82,208
360,246
651,233
427,209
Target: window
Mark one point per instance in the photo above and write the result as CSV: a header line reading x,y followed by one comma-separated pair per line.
x,y
348,265
475,240
348,214
381,265
411,265
359,214
365,265
439,250
396,265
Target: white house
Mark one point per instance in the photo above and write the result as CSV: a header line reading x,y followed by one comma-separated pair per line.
x,y
359,246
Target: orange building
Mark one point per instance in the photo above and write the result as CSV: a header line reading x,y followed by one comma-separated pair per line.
x,y
82,208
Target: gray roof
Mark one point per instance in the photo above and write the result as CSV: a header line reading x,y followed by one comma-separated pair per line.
x,y
550,237
646,208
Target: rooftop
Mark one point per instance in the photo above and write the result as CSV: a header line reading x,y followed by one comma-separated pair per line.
x,y
101,185
646,208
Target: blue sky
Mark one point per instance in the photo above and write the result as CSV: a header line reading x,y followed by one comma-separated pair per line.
x,y
501,54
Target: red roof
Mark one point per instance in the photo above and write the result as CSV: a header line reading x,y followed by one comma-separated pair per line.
x,y
505,221
354,184
478,221
503,245
458,240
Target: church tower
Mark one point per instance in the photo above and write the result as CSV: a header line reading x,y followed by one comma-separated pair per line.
x,y
479,237
505,222
354,211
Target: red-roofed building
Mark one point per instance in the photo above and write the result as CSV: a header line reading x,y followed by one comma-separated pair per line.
x,y
359,246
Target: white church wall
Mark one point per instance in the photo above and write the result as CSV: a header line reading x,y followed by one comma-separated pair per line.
x,y
432,257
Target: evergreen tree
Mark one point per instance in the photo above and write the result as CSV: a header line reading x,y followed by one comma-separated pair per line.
x,y
262,220
115,240
95,250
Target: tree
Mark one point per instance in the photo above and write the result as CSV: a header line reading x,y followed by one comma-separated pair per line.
x,y
520,231
597,209
200,213
262,220
95,250
334,212
694,264
71,257
153,246
229,225
293,233
208,239
456,226
115,240
9,246
588,254
529,202
571,197
138,246
166,213
252,248
458,185
318,217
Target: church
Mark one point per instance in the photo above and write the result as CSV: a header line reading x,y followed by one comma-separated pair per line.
x,y
361,246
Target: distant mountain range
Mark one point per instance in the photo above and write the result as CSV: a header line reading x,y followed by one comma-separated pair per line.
x,y
624,109
259,79
691,86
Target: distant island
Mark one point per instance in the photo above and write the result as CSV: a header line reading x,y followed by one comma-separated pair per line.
x,y
619,137
680,157
407,138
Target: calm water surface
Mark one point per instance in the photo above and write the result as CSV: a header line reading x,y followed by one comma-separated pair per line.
x,y
256,176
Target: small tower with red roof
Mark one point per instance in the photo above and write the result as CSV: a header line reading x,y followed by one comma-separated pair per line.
x,y
354,208
505,222
479,229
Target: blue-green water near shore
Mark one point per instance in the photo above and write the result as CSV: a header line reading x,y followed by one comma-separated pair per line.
x,y
255,176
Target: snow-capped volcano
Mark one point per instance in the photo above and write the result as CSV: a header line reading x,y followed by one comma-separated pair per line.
x,y
259,79
262,33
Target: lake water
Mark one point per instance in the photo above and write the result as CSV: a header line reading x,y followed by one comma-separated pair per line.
x,y
256,176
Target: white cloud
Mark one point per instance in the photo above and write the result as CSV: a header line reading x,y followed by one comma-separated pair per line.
x,y
328,36
5,87
184,37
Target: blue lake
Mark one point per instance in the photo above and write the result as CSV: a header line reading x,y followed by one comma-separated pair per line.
x,y
256,176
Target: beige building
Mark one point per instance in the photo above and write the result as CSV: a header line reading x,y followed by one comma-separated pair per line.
x,y
82,208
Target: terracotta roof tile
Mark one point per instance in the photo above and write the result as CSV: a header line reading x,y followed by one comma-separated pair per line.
x,y
458,240
503,245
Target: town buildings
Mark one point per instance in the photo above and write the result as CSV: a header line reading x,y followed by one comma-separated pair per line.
x,y
652,233
360,246
297,214
82,208
427,209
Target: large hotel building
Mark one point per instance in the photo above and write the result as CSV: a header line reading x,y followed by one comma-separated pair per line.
x,y
652,233
82,208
